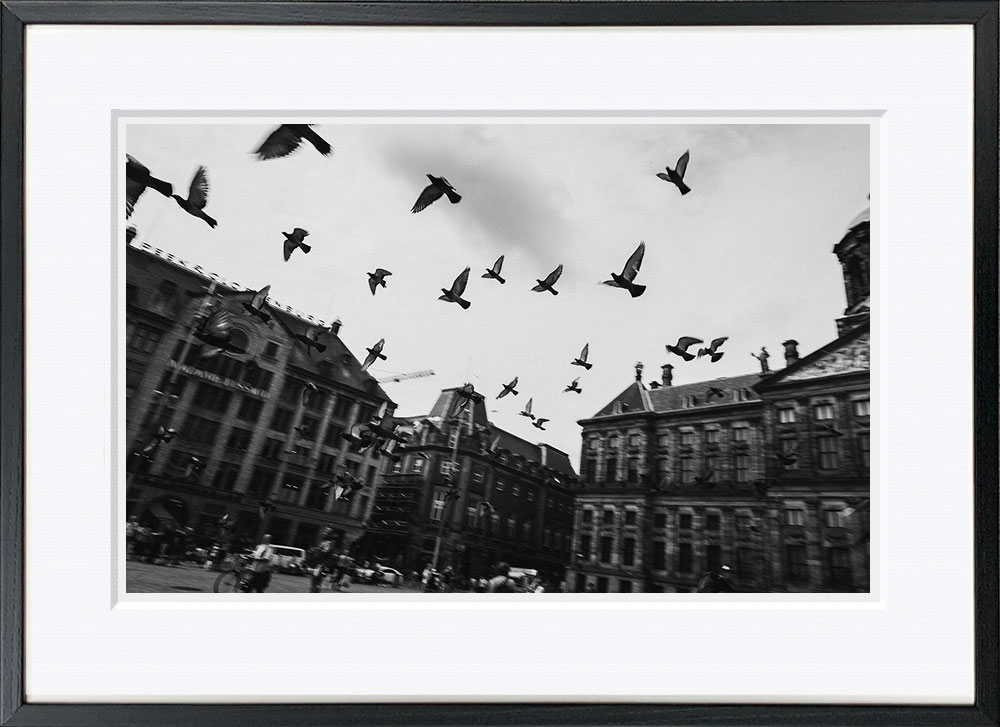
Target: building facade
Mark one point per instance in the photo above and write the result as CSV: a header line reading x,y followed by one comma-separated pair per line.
x,y
258,424
766,473
489,495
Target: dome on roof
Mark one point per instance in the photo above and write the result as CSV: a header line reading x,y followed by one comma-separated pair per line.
x,y
865,216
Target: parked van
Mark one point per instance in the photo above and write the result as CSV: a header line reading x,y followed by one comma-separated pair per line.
x,y
287,559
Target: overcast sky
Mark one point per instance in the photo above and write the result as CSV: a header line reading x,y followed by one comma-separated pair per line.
x,y
747,254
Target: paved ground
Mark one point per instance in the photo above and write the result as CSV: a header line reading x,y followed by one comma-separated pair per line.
x,y
188,578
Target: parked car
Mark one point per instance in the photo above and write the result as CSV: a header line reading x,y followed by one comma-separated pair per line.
x,y
378,574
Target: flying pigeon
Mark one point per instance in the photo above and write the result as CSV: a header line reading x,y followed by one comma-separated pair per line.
x,y
137,178
375,352
308,338
833,430
676,176
256,305
549,281
293,240
539,423
627,277
582,361
191,468
683,343
286,139
308,392
862,504
216,333
303,431
714,391
197,198
508,389
712,351
264,506
574,386
432,192
787,459
467,394
377,278
494,272
486,508
161,436
704,478
527,411
361,436
457,288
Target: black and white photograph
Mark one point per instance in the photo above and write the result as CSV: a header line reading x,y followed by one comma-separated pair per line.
x,y
561,355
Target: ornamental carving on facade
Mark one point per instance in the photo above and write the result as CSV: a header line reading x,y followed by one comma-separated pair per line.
x,y
853,357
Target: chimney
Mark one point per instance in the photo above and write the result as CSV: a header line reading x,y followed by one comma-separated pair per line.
x,y
791,351
335,327
638,371
668,374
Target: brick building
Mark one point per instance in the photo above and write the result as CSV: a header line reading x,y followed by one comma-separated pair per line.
x,y
512,501
767,473
245,415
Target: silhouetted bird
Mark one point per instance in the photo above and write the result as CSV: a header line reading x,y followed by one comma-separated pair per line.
x,y
375,352
377,278
361,436
676,176
309,391
582,360
137,178
293,240
787,459
627,277
508,389
216,333
574,386
833,430
683,343
308,337
197,198
467,394
256,305
192,468
549,281
438,187
494,272
486,509
527,410
265,506
286,139
712,351
454,295
714,391
161,436
539,423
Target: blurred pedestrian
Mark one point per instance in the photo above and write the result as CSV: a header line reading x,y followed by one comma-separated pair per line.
x,y
502,582
262,562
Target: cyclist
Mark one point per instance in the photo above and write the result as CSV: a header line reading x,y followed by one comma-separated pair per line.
x,y
262,558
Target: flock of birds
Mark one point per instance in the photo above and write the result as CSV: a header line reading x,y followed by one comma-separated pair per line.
x,y
215,332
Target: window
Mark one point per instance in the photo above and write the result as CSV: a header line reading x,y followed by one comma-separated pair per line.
x,y
687,439
503,458
211,397
478,475
515,490
332,438
633,469
741,434
713,554
201,430
861,407
271,449
827,453
685,558
624,586
744,522
633,440
685,521
795,518
133,376
250,409
144,339
437,507
239,439
795,558
258,378
472,514
500,485
418,465
790,447
628,557
326,464
613,442
289,490
712,521
630,517
834,519
786,415
660,520
342,408
839,565
511,527
612,469
864,448
271,350
742,467
307,427
602,584
316,500
588,517
663,441
529,492
687,470
225,476
608,517
744,563
659,555
823,411
260,483
282,420
526,531
495,523
606,543
712,436
585,546
366,413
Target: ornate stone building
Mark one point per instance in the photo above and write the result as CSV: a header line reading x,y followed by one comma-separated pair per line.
x,y
507,499
766,473
258,422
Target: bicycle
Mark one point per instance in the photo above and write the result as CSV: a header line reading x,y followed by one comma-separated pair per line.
x,y
237,579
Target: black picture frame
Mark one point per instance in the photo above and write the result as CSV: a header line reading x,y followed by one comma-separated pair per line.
x,y
16,15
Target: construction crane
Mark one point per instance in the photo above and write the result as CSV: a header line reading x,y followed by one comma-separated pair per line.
x,y
403,377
